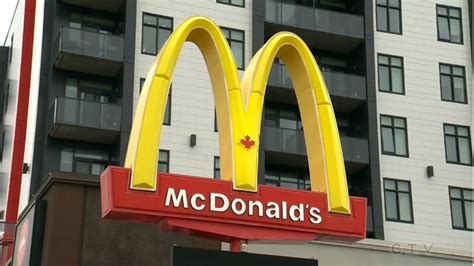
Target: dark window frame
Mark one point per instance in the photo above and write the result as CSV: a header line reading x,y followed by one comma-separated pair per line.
x,y
393,135
217,167
5,100
456,136
2,143
74,146
229,40
10,56
164,162
302,173
278,109
462,205
168,102
448,17
388,7
390,66
216,129
157,29
451,77
397,191
229,3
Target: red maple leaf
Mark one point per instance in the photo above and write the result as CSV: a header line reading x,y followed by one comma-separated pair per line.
x,y
247,142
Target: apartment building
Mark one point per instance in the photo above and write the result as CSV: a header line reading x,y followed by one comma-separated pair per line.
x,y
399,74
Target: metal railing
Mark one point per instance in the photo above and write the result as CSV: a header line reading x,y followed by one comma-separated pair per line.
x,y
89,43
314,18
338,84
76,112
292,141
285,140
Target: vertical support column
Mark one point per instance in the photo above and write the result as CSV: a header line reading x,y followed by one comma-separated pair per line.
x,y
372,120
258,33
128,76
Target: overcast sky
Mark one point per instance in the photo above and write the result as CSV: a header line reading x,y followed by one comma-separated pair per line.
x,y
6,12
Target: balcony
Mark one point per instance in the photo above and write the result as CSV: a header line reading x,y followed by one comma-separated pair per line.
x,y
88,52
84,121
283,144
4,52
338,31
104,5
347,91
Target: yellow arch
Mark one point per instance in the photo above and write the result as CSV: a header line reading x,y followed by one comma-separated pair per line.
x,y
325,158
142,153
239,111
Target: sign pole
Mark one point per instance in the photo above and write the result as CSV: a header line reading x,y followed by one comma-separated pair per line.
x,y
236,244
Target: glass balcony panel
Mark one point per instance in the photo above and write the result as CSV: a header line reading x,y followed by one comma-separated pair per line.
x,y
85,120
89,51
298,14
288,13
90,43
69,111
110,117
88,114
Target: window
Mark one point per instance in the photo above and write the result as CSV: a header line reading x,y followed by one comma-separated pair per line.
x,y
5,99
91,91
11,49
236,43
92,22
283,118
330,61
142,81
453,83
240,3
461,208
389,16
167,118
449,24
164,161
390,72
216,129
288,178
217,167
84,159
2,143
394,135
457,142
398,205
155,31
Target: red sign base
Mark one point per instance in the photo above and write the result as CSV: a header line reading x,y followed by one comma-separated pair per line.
x,y
212,209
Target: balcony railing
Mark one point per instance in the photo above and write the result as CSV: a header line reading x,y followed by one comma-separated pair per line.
x,y
338,84
105,5
355,150
318,19
88,51
84,120
284,140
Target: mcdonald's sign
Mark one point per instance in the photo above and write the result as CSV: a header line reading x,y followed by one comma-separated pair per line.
x,y
236,207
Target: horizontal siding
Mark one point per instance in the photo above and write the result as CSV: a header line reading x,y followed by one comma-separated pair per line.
x,y
426,113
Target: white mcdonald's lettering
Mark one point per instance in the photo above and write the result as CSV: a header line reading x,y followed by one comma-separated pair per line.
x,y
220,203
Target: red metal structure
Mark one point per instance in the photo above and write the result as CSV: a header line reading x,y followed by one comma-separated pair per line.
x,y
13,199
196,206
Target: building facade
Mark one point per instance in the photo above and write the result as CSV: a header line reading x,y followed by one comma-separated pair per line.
x,y
399,74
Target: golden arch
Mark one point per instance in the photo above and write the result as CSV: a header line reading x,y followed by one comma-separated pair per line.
x,y
239,110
